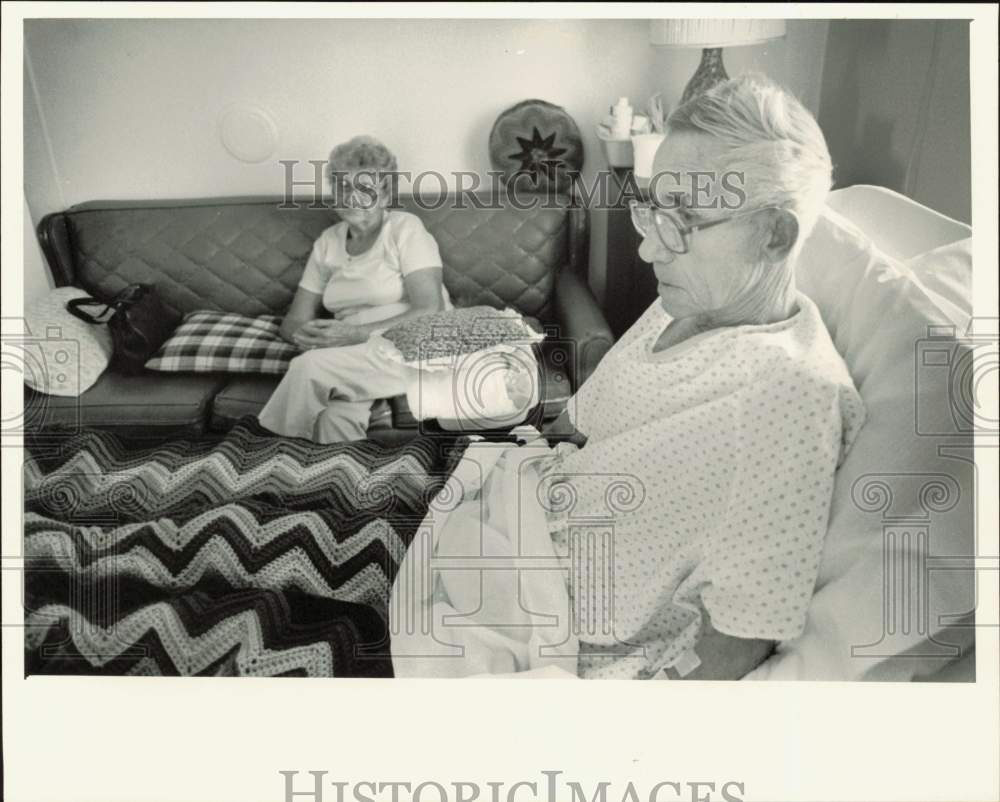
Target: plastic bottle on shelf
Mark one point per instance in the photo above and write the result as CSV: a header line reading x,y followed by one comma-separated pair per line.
x,y
640,125
622,114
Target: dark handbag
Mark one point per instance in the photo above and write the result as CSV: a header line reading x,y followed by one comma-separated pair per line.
x,y
139,324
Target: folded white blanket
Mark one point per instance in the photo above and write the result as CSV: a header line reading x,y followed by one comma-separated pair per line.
x,y
481,590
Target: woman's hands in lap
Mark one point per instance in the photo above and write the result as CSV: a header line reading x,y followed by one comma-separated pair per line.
x,y
326,333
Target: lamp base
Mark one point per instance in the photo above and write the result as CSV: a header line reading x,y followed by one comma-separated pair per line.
x,y
710,72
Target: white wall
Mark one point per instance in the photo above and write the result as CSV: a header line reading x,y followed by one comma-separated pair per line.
x,y
130,108
37,280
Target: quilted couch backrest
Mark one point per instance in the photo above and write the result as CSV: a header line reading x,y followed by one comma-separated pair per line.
x,y
246,255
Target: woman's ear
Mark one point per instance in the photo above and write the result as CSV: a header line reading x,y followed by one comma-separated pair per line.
x,y
385,188
782,234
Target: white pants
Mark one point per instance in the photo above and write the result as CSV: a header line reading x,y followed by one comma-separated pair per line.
x,y
327,394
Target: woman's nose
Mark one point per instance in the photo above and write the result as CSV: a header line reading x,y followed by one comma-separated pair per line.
x,y
651,250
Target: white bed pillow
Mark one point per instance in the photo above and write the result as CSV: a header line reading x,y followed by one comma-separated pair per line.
x,y
946,276
896,497
62,354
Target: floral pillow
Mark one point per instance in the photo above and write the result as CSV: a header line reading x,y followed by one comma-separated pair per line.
x,y
435,340
62,355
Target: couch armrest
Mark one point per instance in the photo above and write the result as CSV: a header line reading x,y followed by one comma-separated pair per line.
x,y
582,324
54,238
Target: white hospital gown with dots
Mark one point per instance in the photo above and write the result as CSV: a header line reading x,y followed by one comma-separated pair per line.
x,y
710,468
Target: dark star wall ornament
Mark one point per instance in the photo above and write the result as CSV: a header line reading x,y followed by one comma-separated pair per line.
x,y
538,155
537,146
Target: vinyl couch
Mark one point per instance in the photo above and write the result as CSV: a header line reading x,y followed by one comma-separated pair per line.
x,y
246,255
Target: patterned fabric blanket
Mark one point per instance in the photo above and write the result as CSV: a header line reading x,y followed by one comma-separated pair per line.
x,y
255,555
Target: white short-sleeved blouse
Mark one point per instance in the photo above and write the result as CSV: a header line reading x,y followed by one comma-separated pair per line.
x,y
369,287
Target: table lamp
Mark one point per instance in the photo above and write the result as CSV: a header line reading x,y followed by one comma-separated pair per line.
x,y
711,35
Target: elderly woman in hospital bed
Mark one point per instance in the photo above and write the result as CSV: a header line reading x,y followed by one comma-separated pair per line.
x,y
677,531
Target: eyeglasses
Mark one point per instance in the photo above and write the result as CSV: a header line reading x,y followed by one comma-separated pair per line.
x,y
671,230
362,193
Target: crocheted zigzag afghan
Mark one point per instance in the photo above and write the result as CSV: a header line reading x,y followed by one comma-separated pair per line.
x,y
255,555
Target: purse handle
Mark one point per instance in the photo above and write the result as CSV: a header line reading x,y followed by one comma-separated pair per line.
x,y
127,297
74,305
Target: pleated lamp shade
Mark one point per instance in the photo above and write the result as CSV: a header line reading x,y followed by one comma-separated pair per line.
x,y
711,35
714,32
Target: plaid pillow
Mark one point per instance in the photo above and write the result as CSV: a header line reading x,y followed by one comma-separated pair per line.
x,y
222,342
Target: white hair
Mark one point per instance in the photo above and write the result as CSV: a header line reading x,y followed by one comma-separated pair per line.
x,y
362,153
771,141
770,138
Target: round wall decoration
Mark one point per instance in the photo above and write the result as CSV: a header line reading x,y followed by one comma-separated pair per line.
x,y
248,133
536,145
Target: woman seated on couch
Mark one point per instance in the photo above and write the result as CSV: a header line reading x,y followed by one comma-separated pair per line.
x,y
373,269
724,413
